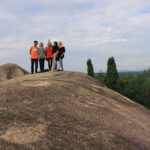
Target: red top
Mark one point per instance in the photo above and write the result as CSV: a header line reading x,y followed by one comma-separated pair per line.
x,y
49,52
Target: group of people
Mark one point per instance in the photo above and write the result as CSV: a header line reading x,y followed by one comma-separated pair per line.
x,y
52,54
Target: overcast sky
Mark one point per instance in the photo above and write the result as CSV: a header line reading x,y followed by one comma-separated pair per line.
x,y
89,28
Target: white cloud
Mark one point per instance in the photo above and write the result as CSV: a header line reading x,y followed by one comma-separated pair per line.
x,y
96,29
4,54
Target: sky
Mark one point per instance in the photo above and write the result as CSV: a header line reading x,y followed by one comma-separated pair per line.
x,y
96,29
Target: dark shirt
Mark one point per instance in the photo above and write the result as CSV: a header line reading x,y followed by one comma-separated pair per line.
x,y
55,49
60,52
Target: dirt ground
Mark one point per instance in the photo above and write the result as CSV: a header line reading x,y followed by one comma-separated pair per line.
x,y
11,71
69,111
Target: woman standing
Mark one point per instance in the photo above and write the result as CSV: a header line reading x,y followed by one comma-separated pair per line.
x,y
49,54
41,55
60,56
55,51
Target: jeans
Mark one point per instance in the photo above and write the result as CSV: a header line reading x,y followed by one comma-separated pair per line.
x,y
60,64
50,61
54,62
42,62
34,62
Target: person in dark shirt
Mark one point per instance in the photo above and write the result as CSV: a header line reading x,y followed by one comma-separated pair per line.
x,y
60,55
55,51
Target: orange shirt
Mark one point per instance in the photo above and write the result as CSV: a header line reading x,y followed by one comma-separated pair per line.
x,y
33,52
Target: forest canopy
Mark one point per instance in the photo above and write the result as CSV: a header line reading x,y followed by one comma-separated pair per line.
x,y
134,85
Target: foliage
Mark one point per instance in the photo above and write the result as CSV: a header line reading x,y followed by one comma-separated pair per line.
x,y
112,77
135,86
90,68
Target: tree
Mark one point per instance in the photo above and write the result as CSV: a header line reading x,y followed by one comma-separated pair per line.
x,y
101,77
147,94
90,69
112,77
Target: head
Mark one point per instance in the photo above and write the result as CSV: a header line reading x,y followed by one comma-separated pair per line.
x,y
35,43
55,43
60,44
41,44
49,44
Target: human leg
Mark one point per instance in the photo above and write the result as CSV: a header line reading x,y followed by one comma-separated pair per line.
x,y
36,65
60,64
32,66
43,61
40,61
51,63
54,62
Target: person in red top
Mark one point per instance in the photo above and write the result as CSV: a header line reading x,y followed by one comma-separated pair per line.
x,y
49,54
34,57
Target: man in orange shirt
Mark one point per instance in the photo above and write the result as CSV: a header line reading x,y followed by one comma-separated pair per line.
x,y
34,57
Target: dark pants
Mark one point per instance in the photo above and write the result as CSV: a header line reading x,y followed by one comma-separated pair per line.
x,y
42,62
34,62
49,60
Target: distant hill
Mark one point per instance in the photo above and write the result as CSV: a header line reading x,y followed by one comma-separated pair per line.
x,y
11,71
69,111
123,72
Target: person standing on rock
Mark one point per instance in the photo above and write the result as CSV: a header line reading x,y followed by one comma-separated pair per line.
x,y
60,55
41,55
49,54
55,51
34,57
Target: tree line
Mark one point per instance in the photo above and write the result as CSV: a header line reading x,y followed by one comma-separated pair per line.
x,y
135,86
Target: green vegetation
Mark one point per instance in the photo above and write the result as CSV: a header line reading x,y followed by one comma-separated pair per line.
x,y
112,76
90,69
134,85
